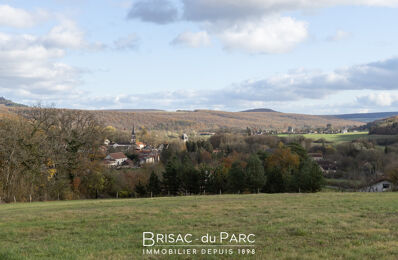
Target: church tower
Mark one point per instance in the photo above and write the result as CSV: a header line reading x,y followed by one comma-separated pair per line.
x,y
133,138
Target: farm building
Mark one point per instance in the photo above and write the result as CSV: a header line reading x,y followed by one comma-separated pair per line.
x,y
115,159
380,185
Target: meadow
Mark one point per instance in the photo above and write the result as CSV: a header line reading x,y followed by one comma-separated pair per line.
x,y
341,138
287,226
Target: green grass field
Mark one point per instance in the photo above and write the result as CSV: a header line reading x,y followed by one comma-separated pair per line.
x,y
287,226
340,138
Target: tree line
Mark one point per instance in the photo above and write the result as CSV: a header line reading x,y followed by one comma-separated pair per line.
x,y
193,170
48,154
51,154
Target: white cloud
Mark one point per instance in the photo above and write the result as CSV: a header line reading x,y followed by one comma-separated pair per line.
x,y
253,26
14,17
267,35
339,35
311,91
192,39
65,35
29,64
383,99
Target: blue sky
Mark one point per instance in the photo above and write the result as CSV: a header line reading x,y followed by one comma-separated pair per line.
x,y
314,57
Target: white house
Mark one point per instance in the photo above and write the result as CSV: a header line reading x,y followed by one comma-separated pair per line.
x,y
147,160
116,159
139,145
379,186
107,142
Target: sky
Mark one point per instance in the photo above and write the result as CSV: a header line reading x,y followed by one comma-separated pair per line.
x,y
296,56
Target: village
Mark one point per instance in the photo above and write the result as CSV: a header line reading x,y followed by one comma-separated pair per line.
x,y
136,154
131,155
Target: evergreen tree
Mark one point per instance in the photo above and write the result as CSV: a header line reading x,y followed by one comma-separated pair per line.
x,y
255,174
309,178
236,178
275,182
171,179
140,189
154,184
299,150
218,180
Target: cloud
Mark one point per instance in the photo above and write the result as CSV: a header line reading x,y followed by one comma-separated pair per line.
x,y
285,88
156,11
30,65
210,10
310,91
299,85
254,26
191,39
339,35
19,18
383,99
65,35
305,90
130,42
267,35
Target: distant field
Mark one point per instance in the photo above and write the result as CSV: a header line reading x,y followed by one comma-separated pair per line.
x,y
340,138
287,226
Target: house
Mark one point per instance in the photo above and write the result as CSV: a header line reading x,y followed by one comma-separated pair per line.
x,y
381,185
116,145
327,167
139,145
110,163
148,156
162,147
316,156
147,160
115,159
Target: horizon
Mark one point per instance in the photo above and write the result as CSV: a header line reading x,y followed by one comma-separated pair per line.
x,y
194,110
326,58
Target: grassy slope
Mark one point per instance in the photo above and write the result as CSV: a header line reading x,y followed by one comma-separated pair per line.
x,y
287,226
340,138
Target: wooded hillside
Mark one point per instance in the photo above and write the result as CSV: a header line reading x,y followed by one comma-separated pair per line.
x,y
213,120
388,126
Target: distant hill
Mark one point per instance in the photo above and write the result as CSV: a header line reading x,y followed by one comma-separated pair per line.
x,y
208,120
387,126
134,110
367,117
260,110
9,103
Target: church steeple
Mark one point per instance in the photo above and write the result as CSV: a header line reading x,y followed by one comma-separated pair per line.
x,y
133,138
